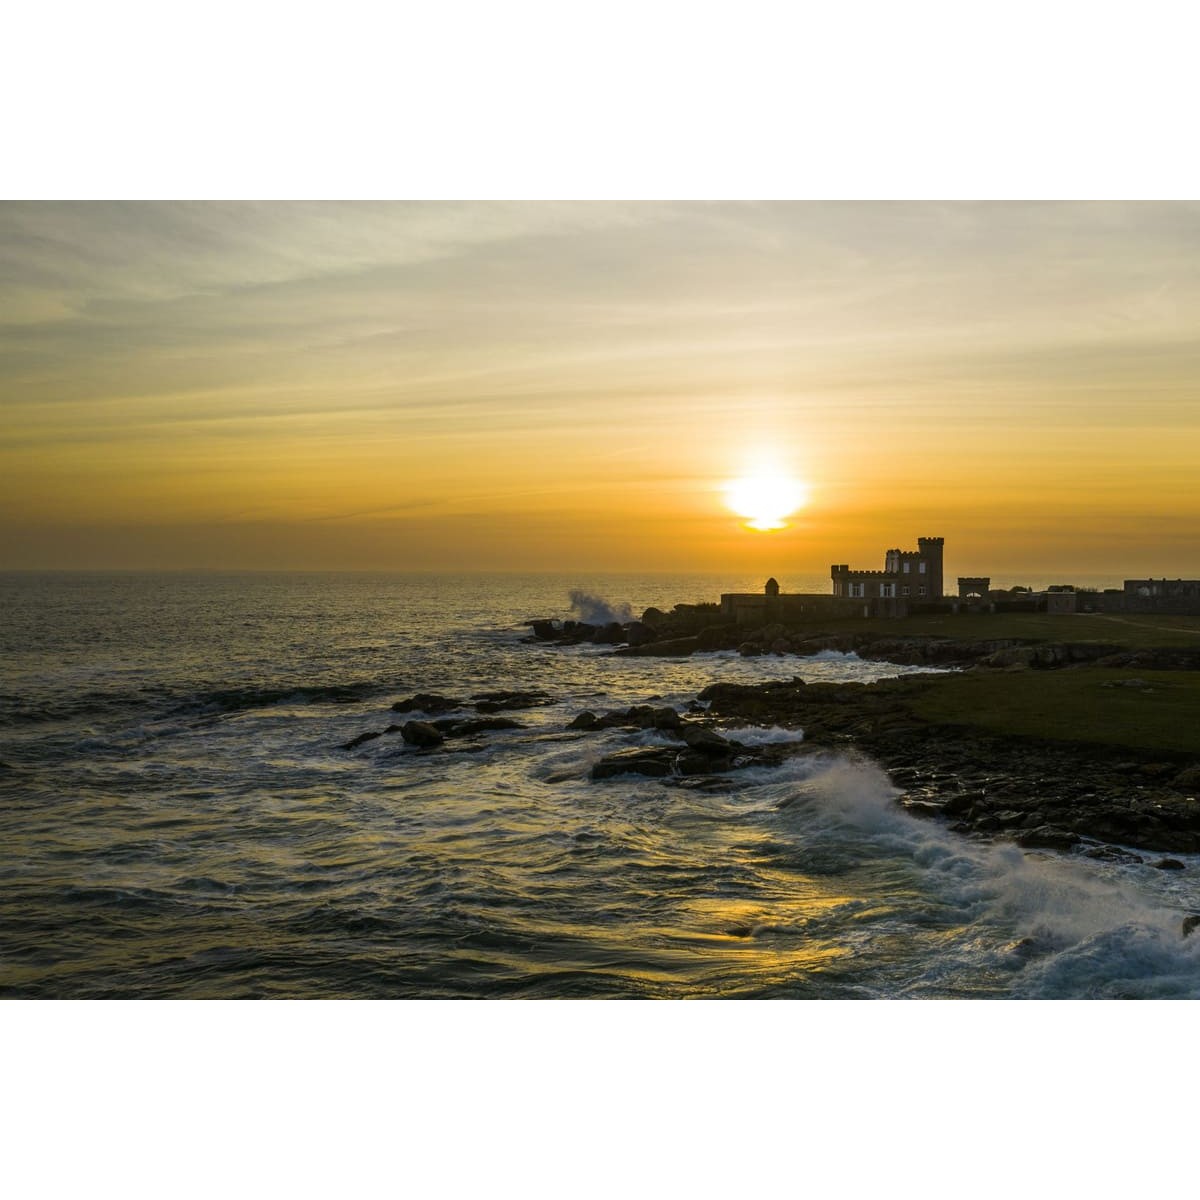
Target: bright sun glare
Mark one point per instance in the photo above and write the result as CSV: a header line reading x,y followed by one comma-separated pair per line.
x,y
766,497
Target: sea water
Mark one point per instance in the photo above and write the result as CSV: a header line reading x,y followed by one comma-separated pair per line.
x,y
177,818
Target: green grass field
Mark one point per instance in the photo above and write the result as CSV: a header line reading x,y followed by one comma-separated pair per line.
x,y
1133,632
1072,705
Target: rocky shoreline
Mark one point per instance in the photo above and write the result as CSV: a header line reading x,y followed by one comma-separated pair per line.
x,y
1104,801
671,636
1095,799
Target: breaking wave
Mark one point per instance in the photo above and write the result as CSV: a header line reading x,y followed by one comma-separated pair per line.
x,y
595,610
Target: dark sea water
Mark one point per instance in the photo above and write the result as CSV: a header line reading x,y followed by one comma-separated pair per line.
x,y
177,819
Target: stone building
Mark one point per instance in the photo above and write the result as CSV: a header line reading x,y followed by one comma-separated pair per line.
x,y
771,605
1178,596
974,588
912,575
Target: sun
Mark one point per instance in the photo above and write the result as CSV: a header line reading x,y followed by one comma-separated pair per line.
x,y
766,497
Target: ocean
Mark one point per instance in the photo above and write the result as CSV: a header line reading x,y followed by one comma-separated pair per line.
x,y
178,818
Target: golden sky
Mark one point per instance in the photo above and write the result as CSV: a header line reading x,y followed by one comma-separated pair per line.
x,y
568,386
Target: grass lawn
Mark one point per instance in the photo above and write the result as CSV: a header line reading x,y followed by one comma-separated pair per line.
x,y
1134,631
1072,705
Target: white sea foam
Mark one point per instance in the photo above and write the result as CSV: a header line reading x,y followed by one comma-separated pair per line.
x,y
753,735
1080,927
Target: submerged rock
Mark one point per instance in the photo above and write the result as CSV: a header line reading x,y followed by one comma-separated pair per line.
x,y
640,716
362,737
491,702
421,733
458,727
668,648
654,761
428,702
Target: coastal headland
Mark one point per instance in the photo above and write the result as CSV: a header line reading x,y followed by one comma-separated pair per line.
x,y
1078,733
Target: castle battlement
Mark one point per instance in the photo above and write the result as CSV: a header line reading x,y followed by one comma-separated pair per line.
x,y
907,574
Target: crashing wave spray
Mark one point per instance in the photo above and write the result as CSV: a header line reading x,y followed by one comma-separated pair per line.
x,y
1049,926
595,610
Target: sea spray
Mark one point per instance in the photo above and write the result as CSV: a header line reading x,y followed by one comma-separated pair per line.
x,y
595,610
1059,926
137,841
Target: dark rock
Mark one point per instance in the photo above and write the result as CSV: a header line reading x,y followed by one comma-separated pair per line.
x,y
491,702
1112,854
667,718
1188,780
963,802
667,648
1190,922
427,702
609,635
694,762
717,637
546,630
1008,817
639,634
362,737
1169,864
640,716
654,761
705,741
750,649
478,725
421,733
1047,837
920,808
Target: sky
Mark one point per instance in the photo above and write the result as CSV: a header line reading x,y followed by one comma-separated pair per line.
x,y
570,386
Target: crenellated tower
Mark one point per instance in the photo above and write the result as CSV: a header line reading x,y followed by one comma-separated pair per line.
x,y
930,551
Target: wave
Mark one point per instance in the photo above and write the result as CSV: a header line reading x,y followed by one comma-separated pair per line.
x,y
227,700
595,610
19,710
1059,926
754,735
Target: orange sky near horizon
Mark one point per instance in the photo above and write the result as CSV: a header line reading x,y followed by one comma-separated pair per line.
x,y
554,386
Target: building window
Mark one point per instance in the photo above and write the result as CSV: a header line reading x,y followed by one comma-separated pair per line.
x,y
905,591
921,568
887,590
907,564
921,590
856,589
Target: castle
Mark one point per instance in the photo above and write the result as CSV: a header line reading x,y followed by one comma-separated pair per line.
x,y
911,582
909,578
912,574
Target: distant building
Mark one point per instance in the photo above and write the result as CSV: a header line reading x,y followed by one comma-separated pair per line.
x,y
770,605
911,581
1062,601
912,575
974,589
1178,596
